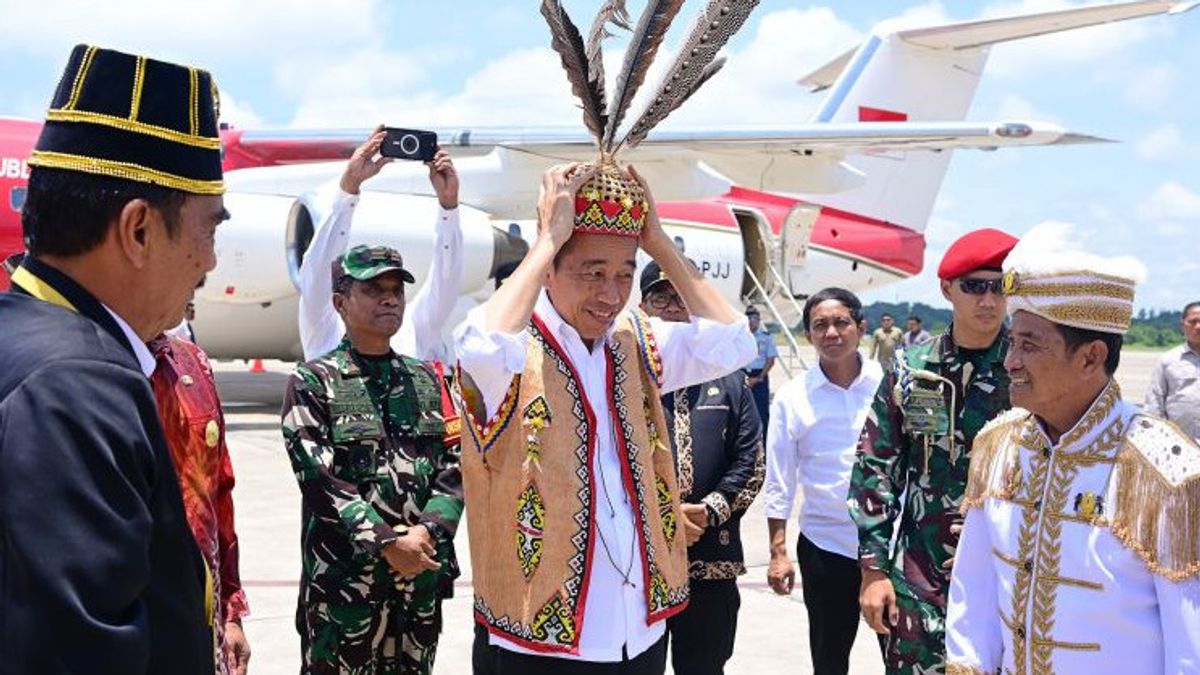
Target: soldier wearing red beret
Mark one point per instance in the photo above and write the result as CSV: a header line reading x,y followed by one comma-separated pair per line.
x,y
911,470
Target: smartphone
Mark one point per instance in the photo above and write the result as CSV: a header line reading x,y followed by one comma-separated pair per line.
x,y
411,144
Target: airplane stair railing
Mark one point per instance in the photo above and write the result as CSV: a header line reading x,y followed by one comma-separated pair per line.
x,y
792,363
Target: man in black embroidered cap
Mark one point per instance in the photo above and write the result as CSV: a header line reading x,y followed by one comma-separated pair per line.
x,y
99,571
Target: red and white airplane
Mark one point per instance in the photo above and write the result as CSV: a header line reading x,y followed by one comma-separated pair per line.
x,y
842,201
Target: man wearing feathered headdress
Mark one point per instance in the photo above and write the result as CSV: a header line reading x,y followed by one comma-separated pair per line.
x,y
577,545
1080,552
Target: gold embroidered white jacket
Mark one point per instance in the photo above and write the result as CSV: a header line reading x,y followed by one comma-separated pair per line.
x,y
1080,557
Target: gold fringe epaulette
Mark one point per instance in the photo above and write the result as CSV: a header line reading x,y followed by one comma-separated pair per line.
x,y
987,458
1157,500
960,669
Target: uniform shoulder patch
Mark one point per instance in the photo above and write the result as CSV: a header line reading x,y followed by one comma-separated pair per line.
x,y
1157,494
1004,419
1166,447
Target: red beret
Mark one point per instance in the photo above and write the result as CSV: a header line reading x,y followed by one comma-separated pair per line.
x,y
979,249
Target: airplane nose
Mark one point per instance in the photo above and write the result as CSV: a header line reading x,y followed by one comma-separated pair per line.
x,y
508,250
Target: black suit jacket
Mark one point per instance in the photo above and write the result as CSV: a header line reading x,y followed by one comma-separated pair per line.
x,y
99,572
723,467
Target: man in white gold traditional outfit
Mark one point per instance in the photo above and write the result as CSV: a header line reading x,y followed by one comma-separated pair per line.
x,y
1080,552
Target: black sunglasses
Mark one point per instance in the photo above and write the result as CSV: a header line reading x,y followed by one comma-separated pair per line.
x,y
981,286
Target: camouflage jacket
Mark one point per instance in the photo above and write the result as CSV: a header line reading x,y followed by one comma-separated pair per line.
x,y
906,453
374,445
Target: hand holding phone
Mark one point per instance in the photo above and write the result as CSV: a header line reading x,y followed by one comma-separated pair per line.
x,y
412,144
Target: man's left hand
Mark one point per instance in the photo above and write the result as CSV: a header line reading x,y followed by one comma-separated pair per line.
x,y
444,179
237,649
695,520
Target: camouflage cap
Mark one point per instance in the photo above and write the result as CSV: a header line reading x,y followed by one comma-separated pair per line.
x,y
362,263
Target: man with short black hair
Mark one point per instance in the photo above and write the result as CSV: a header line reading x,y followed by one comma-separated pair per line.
x,y
885,340
99,571
911,468
1174,391
915,335
373,440
718,446
815,424
1079,553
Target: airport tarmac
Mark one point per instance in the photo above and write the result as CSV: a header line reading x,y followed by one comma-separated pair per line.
x,y
772,630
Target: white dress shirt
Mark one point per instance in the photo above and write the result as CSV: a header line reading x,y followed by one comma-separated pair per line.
x,y
420,336
811,441
145,359
695,352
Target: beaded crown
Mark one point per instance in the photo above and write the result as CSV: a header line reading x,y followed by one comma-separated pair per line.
x,y
612,202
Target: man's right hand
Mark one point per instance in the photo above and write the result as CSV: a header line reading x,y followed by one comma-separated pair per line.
x,y
364,163
877,599
781,574
556,201
412,553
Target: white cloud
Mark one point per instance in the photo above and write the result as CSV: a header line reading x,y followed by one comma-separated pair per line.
x,y
528,86
240,115
1162,144
1170,202
189,30
1154,87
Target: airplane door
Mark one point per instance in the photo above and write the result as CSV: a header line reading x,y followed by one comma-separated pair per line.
x,y
793,247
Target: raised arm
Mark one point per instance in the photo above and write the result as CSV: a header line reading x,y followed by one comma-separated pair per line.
x,y
511,306
428,311
703,300
320,328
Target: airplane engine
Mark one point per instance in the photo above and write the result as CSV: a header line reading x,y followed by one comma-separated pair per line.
x,y
252,265
247,306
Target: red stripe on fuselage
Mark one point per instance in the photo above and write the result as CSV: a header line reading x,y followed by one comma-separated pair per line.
x,y
871,240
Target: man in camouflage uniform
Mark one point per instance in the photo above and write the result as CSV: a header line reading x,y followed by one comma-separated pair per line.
x,y
915,445
373,440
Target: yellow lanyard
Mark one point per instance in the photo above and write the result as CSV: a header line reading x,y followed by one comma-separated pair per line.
x,y
40,289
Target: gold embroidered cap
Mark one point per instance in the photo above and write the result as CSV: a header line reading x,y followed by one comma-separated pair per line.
x,y
612,202
1047,274
134,118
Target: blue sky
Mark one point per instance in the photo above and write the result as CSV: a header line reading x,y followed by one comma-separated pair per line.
x,y
314,63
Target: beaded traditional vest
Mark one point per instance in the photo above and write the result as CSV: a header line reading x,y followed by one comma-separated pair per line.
x,y
531,494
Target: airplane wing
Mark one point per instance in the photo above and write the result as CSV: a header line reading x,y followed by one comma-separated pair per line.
x,y
682,164
981,33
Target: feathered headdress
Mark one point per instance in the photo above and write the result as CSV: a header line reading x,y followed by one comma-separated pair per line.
x,y
612,202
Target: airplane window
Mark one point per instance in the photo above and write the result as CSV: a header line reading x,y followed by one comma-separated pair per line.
x,y
16,198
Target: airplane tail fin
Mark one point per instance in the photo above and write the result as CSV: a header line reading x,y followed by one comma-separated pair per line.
x,y
929,74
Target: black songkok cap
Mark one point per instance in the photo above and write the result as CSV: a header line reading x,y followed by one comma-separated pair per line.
x,y
135,118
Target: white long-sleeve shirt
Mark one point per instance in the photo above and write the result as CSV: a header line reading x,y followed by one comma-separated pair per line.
x,y
811,441
692,353
420,335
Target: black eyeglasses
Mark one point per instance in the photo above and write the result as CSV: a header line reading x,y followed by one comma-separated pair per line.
x,y
664,299
981,286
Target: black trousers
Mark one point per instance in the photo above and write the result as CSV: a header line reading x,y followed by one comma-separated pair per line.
x,y
702,635
489,660
762,398
830,583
